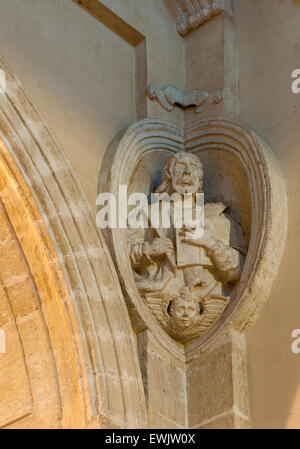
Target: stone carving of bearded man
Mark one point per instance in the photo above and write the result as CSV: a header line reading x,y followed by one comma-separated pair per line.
x,y
165,260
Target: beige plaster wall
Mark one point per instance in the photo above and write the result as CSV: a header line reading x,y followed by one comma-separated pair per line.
x,y
81,76
269,49
61,56
165,50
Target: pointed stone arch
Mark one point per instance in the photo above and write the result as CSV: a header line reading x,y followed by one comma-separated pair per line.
x,y
87,362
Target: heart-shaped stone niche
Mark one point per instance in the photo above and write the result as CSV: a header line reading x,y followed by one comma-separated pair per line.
x,y
188,290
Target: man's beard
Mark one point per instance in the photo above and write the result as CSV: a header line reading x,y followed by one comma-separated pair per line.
x,y
185,188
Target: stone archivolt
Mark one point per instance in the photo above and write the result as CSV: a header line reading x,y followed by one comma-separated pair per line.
x,y
71,360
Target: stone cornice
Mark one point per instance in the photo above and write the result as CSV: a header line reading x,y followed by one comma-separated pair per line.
x,y
189,14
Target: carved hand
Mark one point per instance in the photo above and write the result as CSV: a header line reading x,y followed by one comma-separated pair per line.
x,y
207,240
161,247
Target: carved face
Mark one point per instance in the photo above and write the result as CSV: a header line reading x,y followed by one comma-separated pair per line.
x,y
186,174
184,312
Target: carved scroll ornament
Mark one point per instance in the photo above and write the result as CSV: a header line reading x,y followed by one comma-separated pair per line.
x,y
170,96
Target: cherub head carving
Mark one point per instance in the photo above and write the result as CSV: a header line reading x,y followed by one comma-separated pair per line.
x,y
184,309
187,314
182,173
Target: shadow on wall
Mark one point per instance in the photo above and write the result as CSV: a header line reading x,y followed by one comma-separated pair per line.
x,y
273,369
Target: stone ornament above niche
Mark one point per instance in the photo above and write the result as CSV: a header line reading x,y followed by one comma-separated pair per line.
x,y
189,292
170,96
190,14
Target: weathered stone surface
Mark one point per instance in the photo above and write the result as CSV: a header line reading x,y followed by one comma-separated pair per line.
x,y
217,385
164,383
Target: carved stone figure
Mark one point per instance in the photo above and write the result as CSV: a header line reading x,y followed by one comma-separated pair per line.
x,y
170,262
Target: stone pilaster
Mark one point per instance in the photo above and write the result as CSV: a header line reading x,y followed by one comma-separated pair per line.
x,y
211,63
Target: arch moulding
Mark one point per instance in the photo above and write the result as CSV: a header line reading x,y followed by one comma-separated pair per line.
x,y
75,340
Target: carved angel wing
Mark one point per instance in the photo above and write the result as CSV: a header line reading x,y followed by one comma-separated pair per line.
x,y
158,305
213,307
